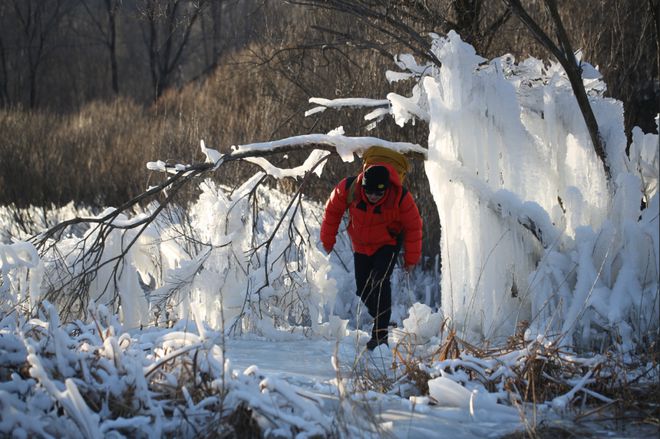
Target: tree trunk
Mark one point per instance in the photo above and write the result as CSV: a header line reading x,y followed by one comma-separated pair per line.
x,y
654,5
4,79
112,43
216,17
566,58
32,81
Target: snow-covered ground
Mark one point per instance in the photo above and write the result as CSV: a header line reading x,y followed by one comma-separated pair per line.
x,y
392,415
170,381
387,414
173,324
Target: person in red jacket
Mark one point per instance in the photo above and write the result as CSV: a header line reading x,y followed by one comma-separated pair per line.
x,y
382,217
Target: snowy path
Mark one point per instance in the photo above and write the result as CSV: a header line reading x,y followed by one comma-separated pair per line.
x,y
306,363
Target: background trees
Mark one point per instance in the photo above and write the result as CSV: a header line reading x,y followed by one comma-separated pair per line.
x,y
50,50
104,30
167,31
33,32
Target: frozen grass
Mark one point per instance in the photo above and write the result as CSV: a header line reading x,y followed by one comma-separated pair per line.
x,y
543,384
92,379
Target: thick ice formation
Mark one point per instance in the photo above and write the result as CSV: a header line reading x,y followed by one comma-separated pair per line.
x,y
532,228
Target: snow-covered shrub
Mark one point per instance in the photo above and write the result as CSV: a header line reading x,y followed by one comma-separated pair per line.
x,y
20,275
20,223
422,324
245,259
92,380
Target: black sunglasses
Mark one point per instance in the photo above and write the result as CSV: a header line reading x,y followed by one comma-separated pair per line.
x,y
374,192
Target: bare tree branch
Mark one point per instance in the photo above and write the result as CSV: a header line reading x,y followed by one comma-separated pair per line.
x,y
654,7
566,57
166,34
380,17
81,266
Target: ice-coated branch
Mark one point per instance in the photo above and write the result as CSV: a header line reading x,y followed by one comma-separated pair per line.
x,y
182,174
323,104
328,142
267,244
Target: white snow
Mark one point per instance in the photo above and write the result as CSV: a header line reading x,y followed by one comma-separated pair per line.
x,y
333,139
315,157
212,156
323,104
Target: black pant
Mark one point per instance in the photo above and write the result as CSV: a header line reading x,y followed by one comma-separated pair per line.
x,y
372,278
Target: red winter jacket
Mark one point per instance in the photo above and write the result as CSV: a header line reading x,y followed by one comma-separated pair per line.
x,y
372,226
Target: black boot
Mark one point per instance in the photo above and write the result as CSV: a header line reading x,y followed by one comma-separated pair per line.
x,y
377,338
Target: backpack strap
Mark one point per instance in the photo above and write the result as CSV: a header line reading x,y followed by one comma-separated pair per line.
x,y
404,191
350,189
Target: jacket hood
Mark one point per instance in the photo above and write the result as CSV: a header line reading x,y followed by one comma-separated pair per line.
x,y
394,175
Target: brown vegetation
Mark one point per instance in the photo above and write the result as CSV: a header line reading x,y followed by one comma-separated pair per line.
x,y
531,372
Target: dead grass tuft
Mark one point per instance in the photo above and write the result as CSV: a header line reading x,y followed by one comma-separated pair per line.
x,y
533,372
239,424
